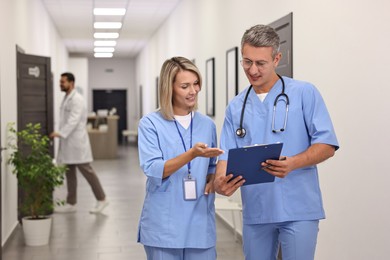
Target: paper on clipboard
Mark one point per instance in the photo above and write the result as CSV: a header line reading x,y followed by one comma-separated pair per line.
x,y
246,161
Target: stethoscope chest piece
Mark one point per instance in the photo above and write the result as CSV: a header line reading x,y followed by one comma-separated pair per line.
x,y
240,132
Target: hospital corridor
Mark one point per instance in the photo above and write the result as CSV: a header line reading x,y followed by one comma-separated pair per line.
x,y
111,235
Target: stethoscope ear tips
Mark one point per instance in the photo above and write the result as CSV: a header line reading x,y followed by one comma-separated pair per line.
x,y
240,132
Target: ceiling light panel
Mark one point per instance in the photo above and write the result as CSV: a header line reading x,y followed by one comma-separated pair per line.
x,y
104,43
102,35
104,49
107,25
103,55
109,11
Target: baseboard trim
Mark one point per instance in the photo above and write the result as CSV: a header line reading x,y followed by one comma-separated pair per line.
x,y
10,234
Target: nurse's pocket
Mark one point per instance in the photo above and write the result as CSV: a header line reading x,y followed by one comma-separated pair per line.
x,y
155,215
164,187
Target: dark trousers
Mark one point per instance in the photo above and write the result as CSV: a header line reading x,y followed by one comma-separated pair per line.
x,y
90,175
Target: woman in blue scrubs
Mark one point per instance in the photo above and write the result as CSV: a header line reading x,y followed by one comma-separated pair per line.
x,y
177,151
285,212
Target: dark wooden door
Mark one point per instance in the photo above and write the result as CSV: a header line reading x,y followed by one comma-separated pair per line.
x,y
35,92
34,96
1,185
110,98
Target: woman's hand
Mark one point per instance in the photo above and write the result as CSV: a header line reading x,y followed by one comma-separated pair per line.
x,y
201,150
209,184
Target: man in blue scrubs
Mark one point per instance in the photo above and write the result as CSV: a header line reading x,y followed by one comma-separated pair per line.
x,y
285,212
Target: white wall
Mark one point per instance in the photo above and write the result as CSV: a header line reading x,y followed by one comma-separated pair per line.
x,y
341,48
80,70
24,23
122,77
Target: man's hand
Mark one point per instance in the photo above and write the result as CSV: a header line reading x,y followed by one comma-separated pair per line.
x,y
54,134
226,185
279,168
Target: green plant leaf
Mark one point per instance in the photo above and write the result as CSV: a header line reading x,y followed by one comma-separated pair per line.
x,y
34,168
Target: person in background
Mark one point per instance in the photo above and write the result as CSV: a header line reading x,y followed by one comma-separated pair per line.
x,y
74,147
285,212
178,156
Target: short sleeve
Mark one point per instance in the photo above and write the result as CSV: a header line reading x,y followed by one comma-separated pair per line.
x,y
150,153
318,122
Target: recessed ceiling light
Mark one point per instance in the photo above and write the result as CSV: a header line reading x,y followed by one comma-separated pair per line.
x,y
106,35
104,49
107,25
109,11
105,43
103,55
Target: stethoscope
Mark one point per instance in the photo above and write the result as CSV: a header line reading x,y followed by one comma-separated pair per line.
x,y
241,132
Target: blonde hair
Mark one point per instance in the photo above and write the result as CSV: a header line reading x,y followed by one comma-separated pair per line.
x,y
168,73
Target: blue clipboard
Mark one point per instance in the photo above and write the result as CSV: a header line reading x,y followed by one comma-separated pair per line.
x,y
247,161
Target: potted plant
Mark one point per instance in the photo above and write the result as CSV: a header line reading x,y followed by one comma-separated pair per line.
x,y
37,176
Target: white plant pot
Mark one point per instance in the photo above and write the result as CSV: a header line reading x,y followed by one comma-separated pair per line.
x,y
36,231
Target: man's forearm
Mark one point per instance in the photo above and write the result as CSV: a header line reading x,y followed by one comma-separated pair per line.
x,y
315,154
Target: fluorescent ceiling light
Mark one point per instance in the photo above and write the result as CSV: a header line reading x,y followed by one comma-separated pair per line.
x,y
104,49
109,11
106,35
107,25
103,55
105,43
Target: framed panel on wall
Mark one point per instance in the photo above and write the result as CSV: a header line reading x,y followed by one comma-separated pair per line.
x,y
284,27
231,74
210,87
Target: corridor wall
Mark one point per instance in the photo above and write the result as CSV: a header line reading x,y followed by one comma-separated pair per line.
x,y
24,23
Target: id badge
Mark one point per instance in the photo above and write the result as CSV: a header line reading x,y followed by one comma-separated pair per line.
x,y
189,188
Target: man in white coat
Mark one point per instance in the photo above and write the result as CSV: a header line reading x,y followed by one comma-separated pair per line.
x,y
74,148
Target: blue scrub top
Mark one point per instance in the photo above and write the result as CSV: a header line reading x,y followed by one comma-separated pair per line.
x,y
297,196
167,220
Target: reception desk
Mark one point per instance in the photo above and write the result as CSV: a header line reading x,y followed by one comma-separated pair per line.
x,y
103,136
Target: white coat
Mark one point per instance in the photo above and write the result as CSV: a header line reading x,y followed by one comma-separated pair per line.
x,y
74,147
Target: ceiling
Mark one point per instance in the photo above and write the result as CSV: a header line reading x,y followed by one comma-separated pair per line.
x,y
74,21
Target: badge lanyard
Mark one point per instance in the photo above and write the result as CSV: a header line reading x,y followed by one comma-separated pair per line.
x,y
184,145
189,182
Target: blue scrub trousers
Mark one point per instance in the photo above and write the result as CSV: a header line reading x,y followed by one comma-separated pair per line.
x,y
159,253
298,240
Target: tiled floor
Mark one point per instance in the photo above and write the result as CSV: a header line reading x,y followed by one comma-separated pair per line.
x,y
107,236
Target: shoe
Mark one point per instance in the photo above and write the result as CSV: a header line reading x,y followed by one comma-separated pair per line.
x,y
100,205
67,208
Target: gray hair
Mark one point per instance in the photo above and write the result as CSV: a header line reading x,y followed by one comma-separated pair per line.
x,y
261,36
